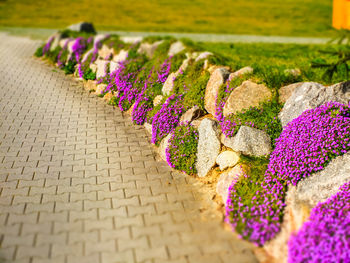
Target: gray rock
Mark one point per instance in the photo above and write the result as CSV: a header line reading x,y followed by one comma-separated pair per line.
x,y
105,52
251,141
149,49
325,183
100,37
87,54
176,48
227,178
240,72
56,41
100,88
286,91
249,94
168,85
101,67
301,199
113,66
227,159
208,146
163,146
157,100
311,95
83,27
121,56
203,55
217,78
227,141
192,114
196,123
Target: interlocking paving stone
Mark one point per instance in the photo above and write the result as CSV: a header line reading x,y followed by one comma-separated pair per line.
x,y
80,183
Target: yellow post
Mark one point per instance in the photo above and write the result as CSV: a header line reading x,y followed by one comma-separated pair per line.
x,y
341,14
338,13
347,15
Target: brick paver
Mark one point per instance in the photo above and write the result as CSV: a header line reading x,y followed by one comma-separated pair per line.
x,y
80,183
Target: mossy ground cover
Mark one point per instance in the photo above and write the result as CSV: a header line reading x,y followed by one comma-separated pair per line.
x,y
268,17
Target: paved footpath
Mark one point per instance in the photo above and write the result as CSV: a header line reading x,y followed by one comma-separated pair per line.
x,y
80,183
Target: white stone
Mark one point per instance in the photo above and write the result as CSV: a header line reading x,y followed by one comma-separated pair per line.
x,y
208,146
100,88
227,159
176,48
163,146
149,49
157,100
203,55
241,72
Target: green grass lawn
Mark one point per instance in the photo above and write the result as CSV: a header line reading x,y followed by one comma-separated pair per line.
x,y
259,17
271,57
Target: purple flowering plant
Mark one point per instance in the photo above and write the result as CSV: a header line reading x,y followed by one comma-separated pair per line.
x,y
325,237
167,118
306,145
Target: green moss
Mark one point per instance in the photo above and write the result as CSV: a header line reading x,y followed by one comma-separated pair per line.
x,y
113,101
192,84
89,74
52,55
248,187
69,68
39,52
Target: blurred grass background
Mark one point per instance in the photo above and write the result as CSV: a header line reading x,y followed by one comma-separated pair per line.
x,y
252,17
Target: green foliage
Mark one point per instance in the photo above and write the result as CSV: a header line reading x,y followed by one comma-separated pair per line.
x,y
39,52
69,68
182,150
89,74
52,55
192,84
249,187
339,67
113,101
153,112
274,77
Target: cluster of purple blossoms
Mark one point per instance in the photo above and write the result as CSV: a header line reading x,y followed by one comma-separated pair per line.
x,y
167,118
47,46
79,47
306,145
181,152
62,55
326,236
143,103
84,65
